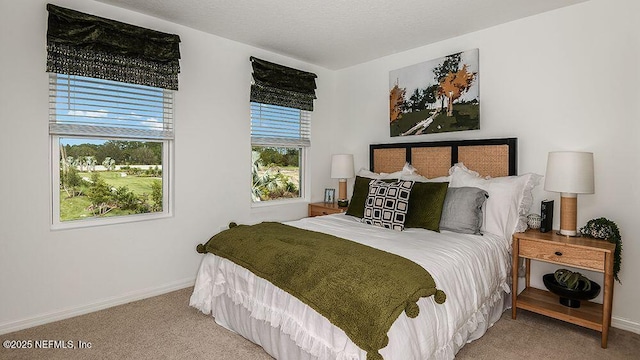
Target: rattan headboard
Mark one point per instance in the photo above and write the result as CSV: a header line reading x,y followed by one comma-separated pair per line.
x,y
489,157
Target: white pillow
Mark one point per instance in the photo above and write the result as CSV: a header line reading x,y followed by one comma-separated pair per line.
x,y
410,173
420,178
372,175
509,199
407,170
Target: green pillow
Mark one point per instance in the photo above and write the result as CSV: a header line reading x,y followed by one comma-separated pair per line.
x,y
425,202
425,205
359,197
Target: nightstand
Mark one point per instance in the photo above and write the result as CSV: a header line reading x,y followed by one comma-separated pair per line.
x,y
579,252
321,208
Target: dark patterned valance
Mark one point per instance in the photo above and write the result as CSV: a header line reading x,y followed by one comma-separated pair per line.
x,y
88,45
280,85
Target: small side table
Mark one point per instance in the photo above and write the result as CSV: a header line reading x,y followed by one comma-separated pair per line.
x,y
580,252
322,208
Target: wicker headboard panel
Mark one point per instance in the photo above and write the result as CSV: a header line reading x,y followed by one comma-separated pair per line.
x,y
489,157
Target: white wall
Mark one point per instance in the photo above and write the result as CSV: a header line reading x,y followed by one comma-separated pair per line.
x,y
48,274
563,80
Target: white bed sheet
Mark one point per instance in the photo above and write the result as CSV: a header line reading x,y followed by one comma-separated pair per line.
x,y
472,270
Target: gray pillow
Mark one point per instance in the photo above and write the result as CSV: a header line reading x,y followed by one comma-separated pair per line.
x,y
462,210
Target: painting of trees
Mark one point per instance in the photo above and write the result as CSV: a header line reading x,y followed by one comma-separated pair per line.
x,y
439,95
396,102
454,84
420,99
449,64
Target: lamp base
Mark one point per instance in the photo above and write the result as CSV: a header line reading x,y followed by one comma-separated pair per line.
x,y
343,203
568,214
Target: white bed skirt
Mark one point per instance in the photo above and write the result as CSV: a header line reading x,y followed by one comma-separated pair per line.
x,y
236,312
236,318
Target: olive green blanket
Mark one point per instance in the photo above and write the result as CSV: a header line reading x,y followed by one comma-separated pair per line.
x,y
360,289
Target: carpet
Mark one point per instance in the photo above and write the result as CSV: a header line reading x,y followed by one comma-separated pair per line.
x,y
165,327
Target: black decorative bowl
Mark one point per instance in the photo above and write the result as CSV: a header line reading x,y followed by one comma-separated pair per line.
x,y
568,297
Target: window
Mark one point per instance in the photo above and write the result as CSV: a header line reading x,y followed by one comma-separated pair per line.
x,y
281,105
111,145
110,118
279,137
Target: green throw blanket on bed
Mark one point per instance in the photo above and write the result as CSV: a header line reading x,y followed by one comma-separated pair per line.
x,y
360,289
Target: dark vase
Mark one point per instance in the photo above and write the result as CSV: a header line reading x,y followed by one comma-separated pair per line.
x,y
570,297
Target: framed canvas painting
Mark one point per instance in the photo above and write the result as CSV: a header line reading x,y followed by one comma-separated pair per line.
x,y
435,96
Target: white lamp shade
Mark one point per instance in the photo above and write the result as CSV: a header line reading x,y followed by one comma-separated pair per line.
x,y
570,172
342,166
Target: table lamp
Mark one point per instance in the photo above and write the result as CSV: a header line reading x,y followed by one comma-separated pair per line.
x,y
569,173
342,168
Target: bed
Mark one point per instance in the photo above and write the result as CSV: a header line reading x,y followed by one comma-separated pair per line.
x,y
472,269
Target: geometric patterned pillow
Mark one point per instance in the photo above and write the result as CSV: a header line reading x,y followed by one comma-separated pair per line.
x,y
387,204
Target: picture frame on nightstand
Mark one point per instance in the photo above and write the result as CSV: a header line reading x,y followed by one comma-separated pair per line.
x,y
329,196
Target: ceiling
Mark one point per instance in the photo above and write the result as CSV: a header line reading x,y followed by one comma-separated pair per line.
x,y
336,34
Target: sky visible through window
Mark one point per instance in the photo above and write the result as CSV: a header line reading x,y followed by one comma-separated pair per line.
x,y
275,121
78,141
106,106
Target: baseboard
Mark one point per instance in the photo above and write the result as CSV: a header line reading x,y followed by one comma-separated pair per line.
x,y
5,328
625,324
99,305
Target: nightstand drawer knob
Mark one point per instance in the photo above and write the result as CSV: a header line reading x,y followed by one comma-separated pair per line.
x,y
558,253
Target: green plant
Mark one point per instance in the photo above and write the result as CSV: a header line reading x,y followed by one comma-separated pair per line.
x,y
270,183
156,195
100,196
71,181
125,199
603,228
572,280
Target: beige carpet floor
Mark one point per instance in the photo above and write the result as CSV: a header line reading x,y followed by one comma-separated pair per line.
x,y
165,327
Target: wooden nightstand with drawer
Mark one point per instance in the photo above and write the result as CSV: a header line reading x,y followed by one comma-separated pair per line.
x,y
580,252
321,208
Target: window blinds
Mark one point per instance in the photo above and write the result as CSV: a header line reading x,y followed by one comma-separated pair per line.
x,y
85,106
273,125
